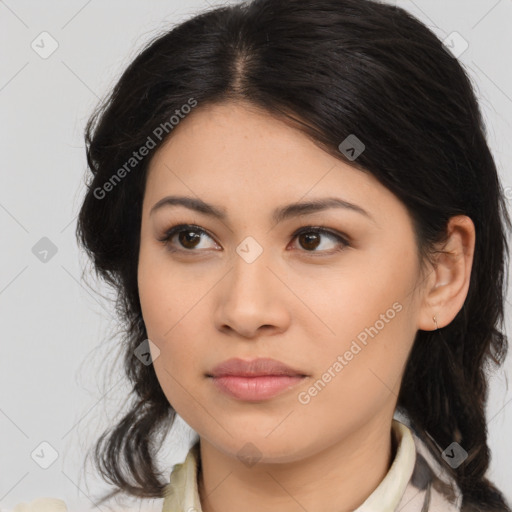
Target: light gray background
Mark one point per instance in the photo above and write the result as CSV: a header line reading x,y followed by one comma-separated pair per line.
x,y
55,328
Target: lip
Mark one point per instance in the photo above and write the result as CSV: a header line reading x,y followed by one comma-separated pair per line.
x,y
255,380
259,367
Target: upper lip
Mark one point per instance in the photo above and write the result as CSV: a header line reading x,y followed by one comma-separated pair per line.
x,y
253,368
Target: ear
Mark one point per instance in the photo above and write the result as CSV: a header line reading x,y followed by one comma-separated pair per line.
x,y
448,283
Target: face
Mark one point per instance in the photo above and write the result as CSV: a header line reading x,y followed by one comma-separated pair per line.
x,y
340,305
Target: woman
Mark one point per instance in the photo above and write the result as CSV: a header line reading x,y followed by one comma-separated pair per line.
x,y
297,205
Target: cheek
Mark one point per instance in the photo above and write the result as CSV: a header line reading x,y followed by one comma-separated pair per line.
x,y
165,295
177,367
171,323
370,290
370,331
359,374
170,307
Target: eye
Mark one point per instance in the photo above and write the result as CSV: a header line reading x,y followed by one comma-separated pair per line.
x,y
188,235
310,238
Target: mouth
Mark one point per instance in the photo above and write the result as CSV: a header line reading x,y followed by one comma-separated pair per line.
x,y
255,389
255,380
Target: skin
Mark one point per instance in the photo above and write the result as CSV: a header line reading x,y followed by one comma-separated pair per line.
x,y
209,304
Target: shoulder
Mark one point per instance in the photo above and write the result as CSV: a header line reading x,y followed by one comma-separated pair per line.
x,y
431,487
41,505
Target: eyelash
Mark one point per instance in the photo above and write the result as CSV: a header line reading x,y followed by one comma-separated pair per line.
x,y
169,234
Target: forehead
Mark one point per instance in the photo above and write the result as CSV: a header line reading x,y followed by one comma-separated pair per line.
x,y
234,153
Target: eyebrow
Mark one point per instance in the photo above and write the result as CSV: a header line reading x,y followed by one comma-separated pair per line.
x,y
278,215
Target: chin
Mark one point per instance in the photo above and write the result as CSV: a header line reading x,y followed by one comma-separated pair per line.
x,y
258,448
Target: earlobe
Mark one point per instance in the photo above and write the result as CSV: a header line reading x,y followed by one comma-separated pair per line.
x,y
447,290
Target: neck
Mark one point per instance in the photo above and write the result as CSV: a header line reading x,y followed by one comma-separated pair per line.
x,y
337,479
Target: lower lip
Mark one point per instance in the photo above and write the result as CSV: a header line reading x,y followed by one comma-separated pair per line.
x,y
253,389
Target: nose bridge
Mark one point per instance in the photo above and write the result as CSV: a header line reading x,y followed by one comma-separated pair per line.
x,y
250,272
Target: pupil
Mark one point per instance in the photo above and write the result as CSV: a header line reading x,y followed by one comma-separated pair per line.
x,y
186,237
309,238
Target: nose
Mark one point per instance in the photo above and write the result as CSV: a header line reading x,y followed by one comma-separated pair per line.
x,y
252,298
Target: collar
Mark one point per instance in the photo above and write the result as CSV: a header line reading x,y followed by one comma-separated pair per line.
x,y
181,495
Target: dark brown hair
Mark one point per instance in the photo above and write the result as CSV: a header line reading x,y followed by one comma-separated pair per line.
x,y
332,68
